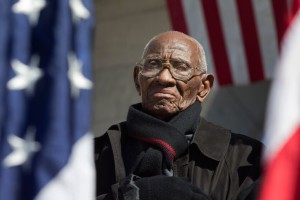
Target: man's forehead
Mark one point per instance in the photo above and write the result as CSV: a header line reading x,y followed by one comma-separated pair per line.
x,y
171,47
170,42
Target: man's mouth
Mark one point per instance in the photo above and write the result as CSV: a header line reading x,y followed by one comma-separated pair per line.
x,y
162,93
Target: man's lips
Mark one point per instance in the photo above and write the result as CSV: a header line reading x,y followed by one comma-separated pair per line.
x,y
162,93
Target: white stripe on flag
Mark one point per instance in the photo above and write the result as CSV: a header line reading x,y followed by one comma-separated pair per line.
x,y
266,34
196,25
233,40
76,181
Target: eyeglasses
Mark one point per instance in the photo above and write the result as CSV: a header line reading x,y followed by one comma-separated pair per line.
x,y
179,70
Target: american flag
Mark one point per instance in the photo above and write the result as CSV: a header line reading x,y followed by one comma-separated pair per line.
x,y
46,148
241,37
281,160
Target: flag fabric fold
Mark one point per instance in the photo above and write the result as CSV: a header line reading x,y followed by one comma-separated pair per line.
x,y
281,161
45,92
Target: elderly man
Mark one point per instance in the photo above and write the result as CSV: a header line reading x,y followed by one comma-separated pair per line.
x,y
165,150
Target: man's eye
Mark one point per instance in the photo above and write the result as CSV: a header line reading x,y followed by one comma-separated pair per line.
x,y
181,67
152,63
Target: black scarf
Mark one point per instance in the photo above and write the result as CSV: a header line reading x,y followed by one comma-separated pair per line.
x,y
161,138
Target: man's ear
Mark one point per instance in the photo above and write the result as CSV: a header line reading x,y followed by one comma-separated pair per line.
x,y
207,81
136,79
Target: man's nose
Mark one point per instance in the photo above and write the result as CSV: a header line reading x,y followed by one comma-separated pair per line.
x,y
165,77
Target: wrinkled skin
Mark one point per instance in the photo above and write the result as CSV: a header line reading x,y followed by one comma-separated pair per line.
x,y
163,96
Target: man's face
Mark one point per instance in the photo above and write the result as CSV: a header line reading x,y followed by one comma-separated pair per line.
x,y
162,95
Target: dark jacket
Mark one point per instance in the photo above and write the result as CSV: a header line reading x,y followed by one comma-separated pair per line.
x,y
222,164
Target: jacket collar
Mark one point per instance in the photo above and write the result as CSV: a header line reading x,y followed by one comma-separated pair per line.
x,y
211,140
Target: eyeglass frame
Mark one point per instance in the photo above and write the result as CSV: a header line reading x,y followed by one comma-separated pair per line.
x,y
165,63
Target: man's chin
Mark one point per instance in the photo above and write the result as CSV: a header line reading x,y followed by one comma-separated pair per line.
x,y
162,111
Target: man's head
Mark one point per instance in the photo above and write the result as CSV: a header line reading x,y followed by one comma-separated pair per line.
x,y
171,75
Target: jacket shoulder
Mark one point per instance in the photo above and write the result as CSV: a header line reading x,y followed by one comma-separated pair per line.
x,y
249,145
239,139
103,140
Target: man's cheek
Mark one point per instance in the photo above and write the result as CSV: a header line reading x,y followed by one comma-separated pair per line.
x,y
191,93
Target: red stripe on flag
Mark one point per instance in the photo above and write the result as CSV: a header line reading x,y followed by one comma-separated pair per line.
x,y
279,12
295,8
217,41
250,39
282,174
177,15
293,13
283,16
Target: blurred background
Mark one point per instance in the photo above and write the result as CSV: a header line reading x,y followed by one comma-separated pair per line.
x,y
46,82
122,30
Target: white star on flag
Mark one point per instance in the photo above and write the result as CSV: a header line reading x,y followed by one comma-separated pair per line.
x,y
26,76
77,80
31,8
79,11
23,149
